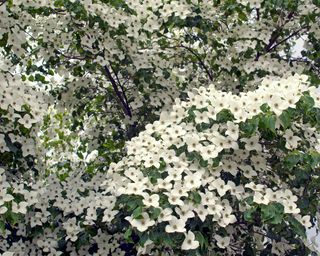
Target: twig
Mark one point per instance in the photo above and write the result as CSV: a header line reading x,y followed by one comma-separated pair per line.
x,y
287,38
125,107
3,2
200,61
274,36
194,53
122,89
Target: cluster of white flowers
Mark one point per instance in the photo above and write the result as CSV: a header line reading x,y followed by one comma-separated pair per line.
x,y
205,160
180,175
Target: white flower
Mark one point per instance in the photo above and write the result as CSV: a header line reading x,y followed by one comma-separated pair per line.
x,y
146,248
290,207
135,188
237,191
165,215
20,207
210,151
229,166
141,224
291,140
201,117
151,200
232,130
8,254
222,242
3,209
252,143
176,225
202,212
248,171
26,121
305,220
277,104
189,242
220,186
215,209
255,187
192,141
4,197
185,212
152,160
260,198
173,198
193,180
108,215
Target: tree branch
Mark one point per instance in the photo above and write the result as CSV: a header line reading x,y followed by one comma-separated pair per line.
x,y
124,105
287,38
122,89
274,36
200,61
194,53
3,2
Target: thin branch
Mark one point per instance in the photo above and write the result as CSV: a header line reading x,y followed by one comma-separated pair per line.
x,y
3,2
194,53
274,36
287,38
200,61
122,89
125,107
306,61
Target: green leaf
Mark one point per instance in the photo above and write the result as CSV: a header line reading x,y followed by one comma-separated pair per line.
x,y
285,119
127,234
155,212
297,227
13,218
249,214
2,226
292,159
272,213
249,127
268,122
202,240
306,103
203,163
195,197
137,213
4,40
224,115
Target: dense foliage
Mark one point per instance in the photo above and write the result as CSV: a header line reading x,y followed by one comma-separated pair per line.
x,y
159,127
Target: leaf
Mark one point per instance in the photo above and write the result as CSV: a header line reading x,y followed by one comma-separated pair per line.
x,y
272,213
13,218
202,241
224,115
2,227
195,197
155,212
285,119
4,40
268,122
292,159
249,214
314,159
296,226
203,163
136,214
249,127
127,234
